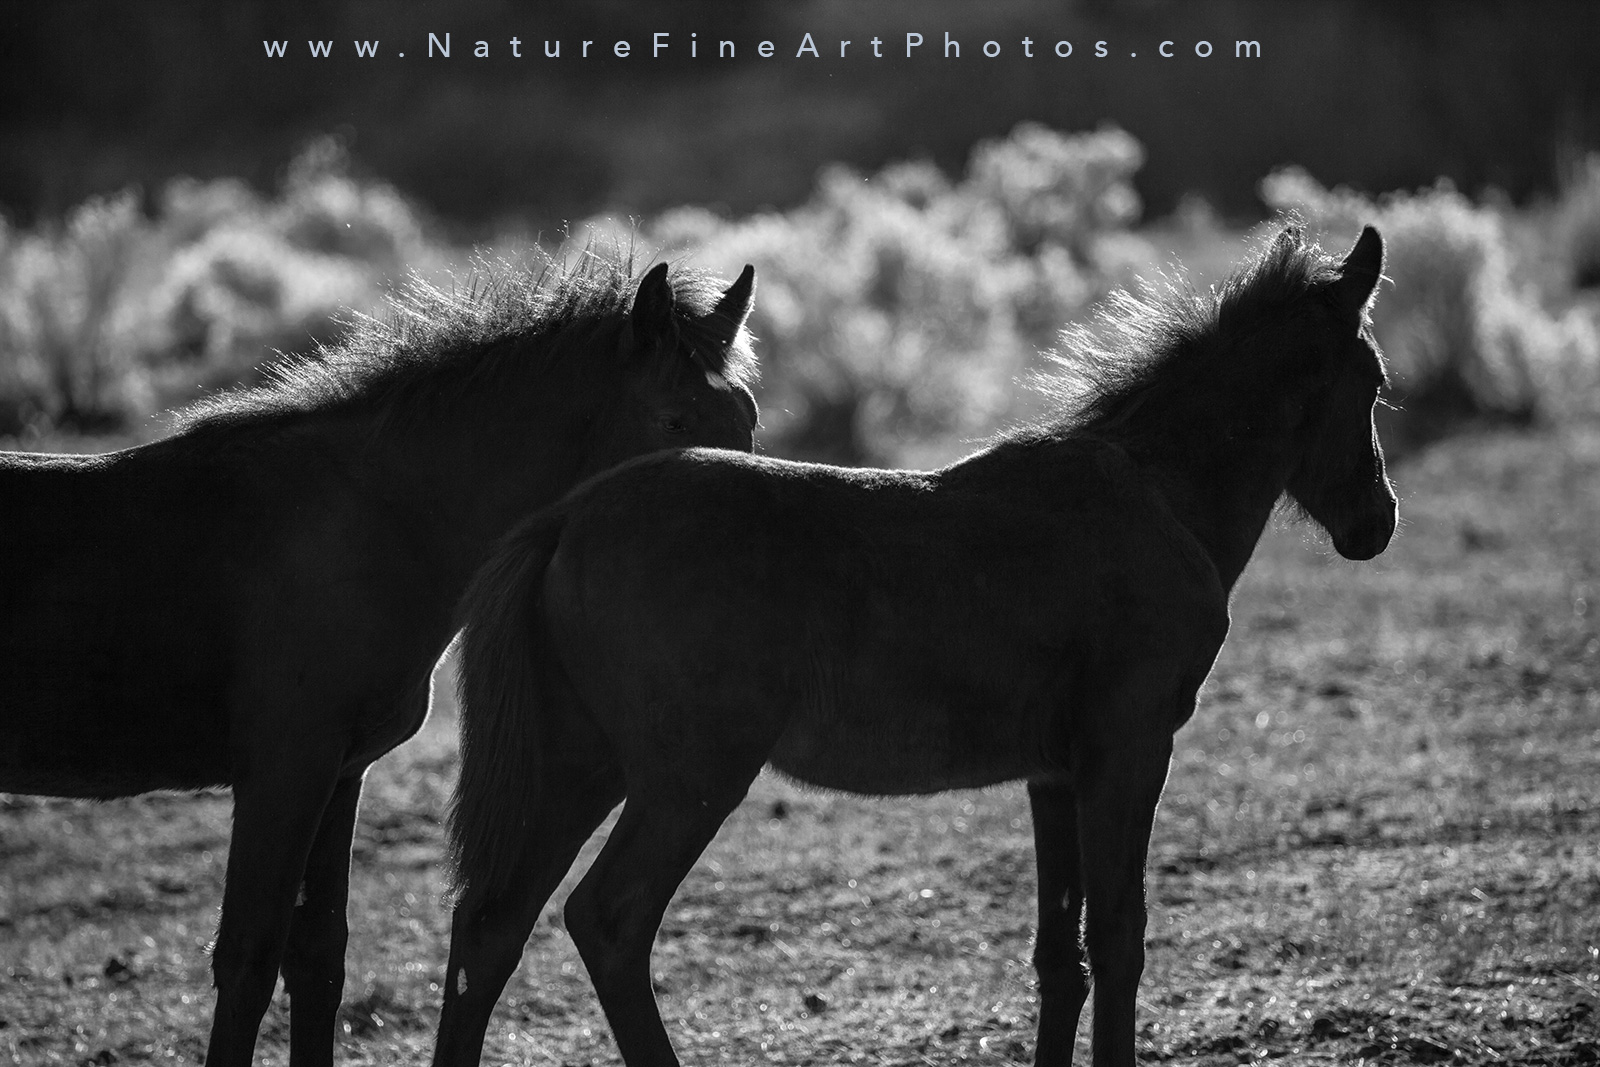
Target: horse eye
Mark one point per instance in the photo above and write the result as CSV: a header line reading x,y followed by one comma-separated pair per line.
x,y
674,425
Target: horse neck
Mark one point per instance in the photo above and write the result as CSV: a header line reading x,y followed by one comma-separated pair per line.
x,y
1222,471
1224,497
461,479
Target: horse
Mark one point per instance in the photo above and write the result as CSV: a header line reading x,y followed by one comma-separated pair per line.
x,y
1044,610
259,600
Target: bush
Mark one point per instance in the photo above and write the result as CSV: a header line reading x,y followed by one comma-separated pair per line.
x,y
1058,190
66,338
248,277
1577,224
113,316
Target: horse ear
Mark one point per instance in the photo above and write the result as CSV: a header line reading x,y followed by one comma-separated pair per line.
x,y
1359,274
734,306
652,306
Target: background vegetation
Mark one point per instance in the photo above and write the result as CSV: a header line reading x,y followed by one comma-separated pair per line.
x,y
900,311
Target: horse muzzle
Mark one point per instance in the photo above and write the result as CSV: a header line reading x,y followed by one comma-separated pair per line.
x,y
1369,535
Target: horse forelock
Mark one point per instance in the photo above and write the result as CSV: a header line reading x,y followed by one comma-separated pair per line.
x,y
1164,339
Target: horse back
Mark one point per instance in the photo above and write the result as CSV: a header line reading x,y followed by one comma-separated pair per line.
x,y
915,631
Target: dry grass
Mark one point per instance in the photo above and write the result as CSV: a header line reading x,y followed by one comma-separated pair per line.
x,y
1380,843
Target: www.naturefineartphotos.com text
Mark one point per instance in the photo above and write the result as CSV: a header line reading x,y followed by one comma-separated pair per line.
x,y
660,45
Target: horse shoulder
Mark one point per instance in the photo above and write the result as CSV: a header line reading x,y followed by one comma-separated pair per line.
x,y
1152,564
1195,591
1195,598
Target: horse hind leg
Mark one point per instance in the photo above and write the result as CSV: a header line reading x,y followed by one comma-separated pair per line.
x,y
313,958
1058,956
616,909
579,785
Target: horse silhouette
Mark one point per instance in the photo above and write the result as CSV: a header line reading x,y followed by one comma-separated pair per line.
x,y
259,600
1044,610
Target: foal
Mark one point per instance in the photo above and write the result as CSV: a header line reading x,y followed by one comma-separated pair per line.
x,y
1044,610
259,600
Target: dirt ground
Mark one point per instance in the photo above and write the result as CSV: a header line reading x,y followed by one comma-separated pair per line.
x,y
1380,843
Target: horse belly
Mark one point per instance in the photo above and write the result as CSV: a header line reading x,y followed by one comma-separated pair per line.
x,y
919,696
100,736
895,749
97,700
119,622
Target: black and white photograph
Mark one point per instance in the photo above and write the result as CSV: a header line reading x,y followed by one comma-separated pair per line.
x,y
804,532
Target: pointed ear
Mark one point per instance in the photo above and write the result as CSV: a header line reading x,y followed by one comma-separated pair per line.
x,y
1359,274
733,308
652,306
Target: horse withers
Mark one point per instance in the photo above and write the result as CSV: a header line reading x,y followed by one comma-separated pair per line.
x,y
259,600
1044,610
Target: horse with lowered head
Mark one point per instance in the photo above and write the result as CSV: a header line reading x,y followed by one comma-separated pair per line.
x,y
259,600
1044,610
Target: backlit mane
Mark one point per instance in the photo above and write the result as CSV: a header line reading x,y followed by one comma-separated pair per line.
x,y
1164,340
434,341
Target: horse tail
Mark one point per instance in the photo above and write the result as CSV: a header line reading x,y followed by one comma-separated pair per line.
x,y
505,675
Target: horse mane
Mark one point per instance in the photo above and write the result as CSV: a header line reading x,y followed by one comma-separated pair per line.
x,y
430,339
1162,341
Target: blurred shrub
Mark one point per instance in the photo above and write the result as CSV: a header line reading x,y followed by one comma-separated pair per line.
x,y
113,316
1577,224
324,211
246,277
66,342
1466,338
895,310
1054,189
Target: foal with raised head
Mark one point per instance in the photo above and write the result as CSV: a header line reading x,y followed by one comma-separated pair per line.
x,y
1044,610
259,600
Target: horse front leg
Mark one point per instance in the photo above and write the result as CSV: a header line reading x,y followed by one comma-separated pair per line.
x,y
1117,800
278,807
313,958
1058,955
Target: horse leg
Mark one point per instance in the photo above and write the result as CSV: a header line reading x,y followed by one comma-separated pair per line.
x,y
615,911
490,926
1058,948
277,809
313,958
1116,807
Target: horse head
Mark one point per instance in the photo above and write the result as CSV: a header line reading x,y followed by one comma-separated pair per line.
x,y
1339,480
686,366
